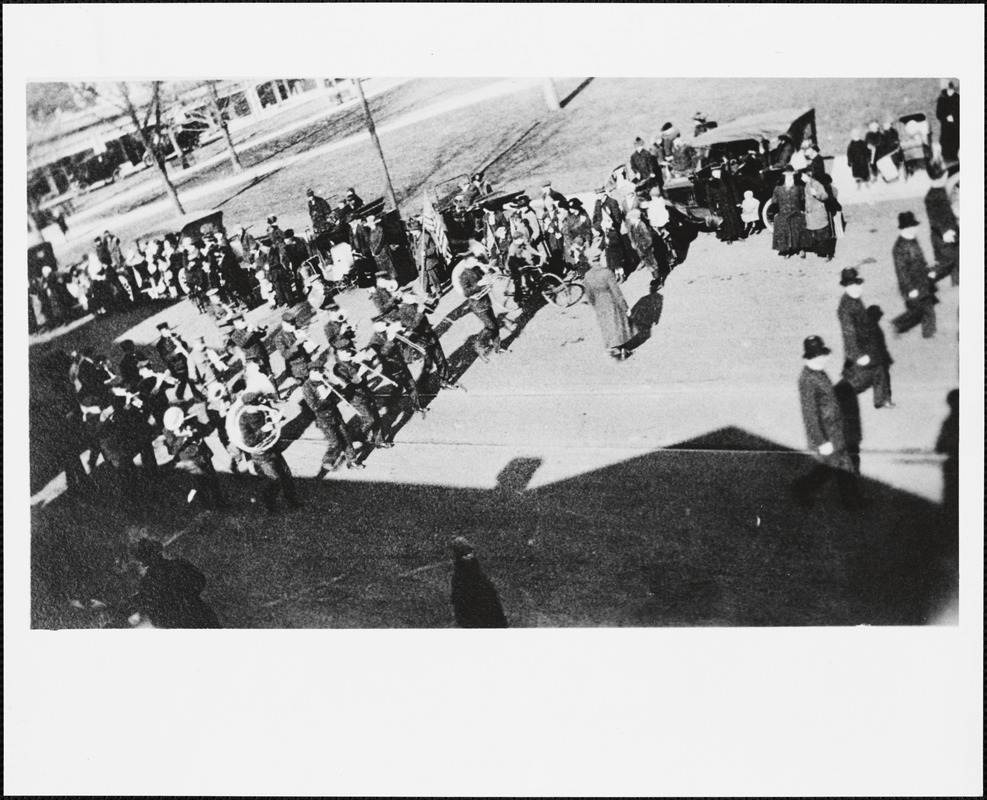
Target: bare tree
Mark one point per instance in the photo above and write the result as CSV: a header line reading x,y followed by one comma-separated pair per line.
x,y
221,121
122,97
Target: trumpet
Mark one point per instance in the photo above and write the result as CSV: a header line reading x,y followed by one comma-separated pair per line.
x,y
413,345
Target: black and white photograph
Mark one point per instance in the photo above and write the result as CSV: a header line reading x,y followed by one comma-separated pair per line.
x,y
676,349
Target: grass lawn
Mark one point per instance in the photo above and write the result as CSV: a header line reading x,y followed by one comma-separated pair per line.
x,y
575,147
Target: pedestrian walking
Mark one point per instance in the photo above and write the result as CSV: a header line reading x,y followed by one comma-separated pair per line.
x,y
789,221
864,363
604,295
915,280
825,429
944,227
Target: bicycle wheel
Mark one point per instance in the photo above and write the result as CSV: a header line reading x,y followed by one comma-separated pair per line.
x,y
570,294
554,290
502,292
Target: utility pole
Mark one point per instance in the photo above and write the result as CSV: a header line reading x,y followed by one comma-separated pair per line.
x,y
551,96
373,135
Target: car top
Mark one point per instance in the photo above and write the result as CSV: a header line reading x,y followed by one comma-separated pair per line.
x,y
771,124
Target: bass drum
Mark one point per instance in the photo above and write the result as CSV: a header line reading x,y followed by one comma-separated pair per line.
x,y
342,262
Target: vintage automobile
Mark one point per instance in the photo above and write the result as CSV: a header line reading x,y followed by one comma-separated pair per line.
x,y
744,144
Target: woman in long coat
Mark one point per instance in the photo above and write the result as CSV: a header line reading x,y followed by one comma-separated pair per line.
x,y
603,293
788,222
817,219
723,202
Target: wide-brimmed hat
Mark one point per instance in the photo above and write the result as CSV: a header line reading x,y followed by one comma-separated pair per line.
x,y
850,276
813,347
906,219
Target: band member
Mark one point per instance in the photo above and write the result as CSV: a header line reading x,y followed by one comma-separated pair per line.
x,y
419,330
353,372
385,346
175,352
152,390
185,440
322,392
295,348
248,341
468,279
382,296
339,332
206,366
218,404
254,425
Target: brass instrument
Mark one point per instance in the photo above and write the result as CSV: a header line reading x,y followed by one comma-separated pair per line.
x,y
274,421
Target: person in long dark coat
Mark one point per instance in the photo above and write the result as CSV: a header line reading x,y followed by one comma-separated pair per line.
x,y
170,590
323,403
944,228
863,360
914,281
475,603
948,114
826,431
380,249
604,295
319,211
723,202
788,222
858,157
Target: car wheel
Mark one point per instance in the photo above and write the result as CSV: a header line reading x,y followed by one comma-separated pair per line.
x,y
768,210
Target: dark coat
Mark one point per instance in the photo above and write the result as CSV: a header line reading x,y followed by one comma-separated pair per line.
x,y
380,250
251,342
911,268
644,164
174,353
858,157
949,132
169,596
821,411
789,223
295,356
319,211
858,330
941,219
607,205
723,200
475,603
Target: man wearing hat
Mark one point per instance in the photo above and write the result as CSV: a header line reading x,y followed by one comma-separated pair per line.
x,y
948,114
825,429
322,393
184,438
468,280
383,296
547,192
248,343
352,200
944,227
319,211
357,392
385,346
645,169
339,332
380,248
175,352
411,315
575,224
295,348
475,603
255,427
915,280
863,365
170,590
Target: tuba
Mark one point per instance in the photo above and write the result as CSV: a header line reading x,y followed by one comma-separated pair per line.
x,y
234,430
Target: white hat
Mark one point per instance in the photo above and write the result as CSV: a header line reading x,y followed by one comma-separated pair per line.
x,y
173,418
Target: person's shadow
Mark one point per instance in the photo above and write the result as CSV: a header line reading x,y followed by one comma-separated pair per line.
x,y
644,316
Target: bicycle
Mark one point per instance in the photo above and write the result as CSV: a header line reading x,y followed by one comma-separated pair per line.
x,y
561,292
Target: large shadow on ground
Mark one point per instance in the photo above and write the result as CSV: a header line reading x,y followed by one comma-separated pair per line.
x,y
703,534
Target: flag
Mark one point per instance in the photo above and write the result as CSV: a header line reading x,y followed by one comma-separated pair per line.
x,y
433,224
